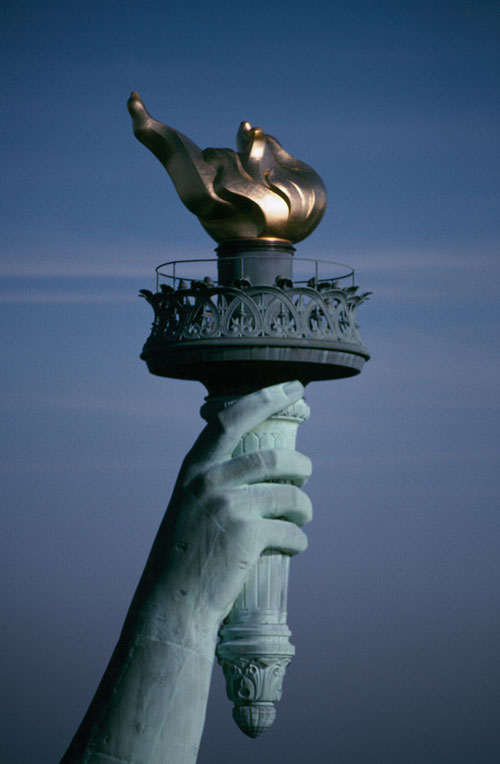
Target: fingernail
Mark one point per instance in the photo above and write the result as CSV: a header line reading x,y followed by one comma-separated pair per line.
x,y
293,388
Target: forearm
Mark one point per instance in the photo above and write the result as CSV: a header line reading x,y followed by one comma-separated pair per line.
x,y
150,706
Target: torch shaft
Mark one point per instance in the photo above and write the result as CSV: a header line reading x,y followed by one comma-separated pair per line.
x,y
254,648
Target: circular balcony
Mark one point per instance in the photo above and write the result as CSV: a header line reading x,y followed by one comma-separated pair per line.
x,y
239,336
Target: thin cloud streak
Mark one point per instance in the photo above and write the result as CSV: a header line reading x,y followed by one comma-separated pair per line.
x,y
136,407
51,298
22,466
424,457
407,260
124,263
121,264
415,276
63,269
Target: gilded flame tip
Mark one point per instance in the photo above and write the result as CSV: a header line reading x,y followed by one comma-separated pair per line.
x,y
258,191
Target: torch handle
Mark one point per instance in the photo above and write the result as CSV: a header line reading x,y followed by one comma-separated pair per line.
x,y
254,648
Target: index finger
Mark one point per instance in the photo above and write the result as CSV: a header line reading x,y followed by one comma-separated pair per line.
x,y
226,428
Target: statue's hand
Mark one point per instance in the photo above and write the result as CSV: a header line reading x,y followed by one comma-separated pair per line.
x,y
224,513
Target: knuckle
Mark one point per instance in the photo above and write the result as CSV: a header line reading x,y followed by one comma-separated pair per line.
x,y
253,461
240,525
299,540
305,464
196,485
266,396
303,469
272,458
303,504
309,509
226,507
255,458
221,506
224,422
221,423
220,510
204,483
308,513
303,541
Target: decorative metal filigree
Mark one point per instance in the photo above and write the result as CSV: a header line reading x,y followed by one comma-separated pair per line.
x,y
202,312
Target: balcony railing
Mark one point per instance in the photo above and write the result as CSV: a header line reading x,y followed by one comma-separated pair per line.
x,y
307,272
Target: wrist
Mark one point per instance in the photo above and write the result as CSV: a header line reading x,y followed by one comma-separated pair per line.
x,y
162,611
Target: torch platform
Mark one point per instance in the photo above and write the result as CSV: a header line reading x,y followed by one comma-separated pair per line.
x,y
231,338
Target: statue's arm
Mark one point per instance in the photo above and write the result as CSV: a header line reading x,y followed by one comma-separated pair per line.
x,y
150,705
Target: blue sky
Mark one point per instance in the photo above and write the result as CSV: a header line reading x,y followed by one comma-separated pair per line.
x,y
394,608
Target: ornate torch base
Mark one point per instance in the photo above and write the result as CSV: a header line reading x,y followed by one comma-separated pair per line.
x,y
254,649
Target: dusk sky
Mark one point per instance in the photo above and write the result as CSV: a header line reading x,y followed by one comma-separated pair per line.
x,y
394,608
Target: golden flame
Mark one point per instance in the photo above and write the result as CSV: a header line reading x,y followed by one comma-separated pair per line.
x,y
259,191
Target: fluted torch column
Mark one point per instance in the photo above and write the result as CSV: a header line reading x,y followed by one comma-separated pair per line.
x,y
255,649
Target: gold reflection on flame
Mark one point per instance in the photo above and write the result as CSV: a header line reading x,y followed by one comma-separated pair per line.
x,y
258,191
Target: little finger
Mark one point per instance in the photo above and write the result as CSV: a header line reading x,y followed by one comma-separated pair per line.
x,y
282,536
